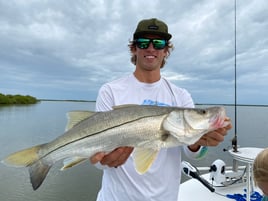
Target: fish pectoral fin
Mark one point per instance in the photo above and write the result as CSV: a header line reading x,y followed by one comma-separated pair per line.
x,y
143,159
70,162
75,117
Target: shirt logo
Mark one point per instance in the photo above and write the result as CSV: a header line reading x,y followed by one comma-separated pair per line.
x,y
151,102
154,27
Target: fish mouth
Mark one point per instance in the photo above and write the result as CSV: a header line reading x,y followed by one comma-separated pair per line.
x,y
218,121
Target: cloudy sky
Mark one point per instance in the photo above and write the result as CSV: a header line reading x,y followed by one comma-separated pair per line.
x,y
67,49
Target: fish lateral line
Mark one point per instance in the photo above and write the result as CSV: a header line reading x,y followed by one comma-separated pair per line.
x,y
93,134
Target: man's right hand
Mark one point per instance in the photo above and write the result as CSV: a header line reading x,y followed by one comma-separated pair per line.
x,y
113,159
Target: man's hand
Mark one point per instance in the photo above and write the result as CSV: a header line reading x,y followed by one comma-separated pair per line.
x,y
212,138
113,159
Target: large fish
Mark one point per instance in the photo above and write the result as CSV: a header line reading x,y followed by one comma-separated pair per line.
x,y
147,128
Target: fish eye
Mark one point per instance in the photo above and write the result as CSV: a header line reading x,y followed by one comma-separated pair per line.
x,y
202,111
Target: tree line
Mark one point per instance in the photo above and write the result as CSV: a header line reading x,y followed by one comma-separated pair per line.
x,y
17,99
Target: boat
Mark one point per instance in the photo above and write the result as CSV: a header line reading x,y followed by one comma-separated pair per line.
x,y
220,182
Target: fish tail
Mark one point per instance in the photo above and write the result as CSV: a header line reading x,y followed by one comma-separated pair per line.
x,y
23,158
38,172
38,168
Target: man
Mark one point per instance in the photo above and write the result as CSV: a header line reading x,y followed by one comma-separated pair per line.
x,y
149,49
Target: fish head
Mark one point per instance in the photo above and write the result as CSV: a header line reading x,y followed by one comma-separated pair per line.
x,y
188,125
205,119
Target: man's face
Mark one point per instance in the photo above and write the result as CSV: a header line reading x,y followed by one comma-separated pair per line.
x,y
150,58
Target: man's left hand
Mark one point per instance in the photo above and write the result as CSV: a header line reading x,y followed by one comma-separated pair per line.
x,y
213,138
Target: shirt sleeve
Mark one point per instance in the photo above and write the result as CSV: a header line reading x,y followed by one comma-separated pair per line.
x,y
105,100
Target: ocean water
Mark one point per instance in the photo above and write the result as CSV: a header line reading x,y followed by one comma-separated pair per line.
x,y
25,126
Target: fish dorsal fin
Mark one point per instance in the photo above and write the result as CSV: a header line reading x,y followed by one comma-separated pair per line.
x,y
143,159
70,162
74,117
123,106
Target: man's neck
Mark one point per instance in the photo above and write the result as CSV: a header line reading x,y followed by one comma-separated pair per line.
x,y
147,76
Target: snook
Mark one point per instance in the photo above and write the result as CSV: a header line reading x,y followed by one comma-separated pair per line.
x,y
147,128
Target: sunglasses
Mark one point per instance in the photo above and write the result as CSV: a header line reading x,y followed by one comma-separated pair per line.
x,y
158,44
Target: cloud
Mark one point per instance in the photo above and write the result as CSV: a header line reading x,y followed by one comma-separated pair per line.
x,y
68,49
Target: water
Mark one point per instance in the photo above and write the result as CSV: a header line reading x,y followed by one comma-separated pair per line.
x,y
24,126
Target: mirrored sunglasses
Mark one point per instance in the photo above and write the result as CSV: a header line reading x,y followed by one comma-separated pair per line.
x,y
143,43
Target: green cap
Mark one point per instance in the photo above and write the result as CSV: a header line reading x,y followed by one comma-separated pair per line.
x,y
152,26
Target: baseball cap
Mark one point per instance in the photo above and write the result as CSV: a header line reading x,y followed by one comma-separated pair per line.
x,y
152,26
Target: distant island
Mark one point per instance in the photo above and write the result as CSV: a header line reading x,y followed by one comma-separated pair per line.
x,y
17,99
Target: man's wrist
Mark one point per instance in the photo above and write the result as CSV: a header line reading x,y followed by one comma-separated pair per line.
x,y
194,147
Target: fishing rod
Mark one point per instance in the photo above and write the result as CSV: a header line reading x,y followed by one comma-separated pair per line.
x,y
234,140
